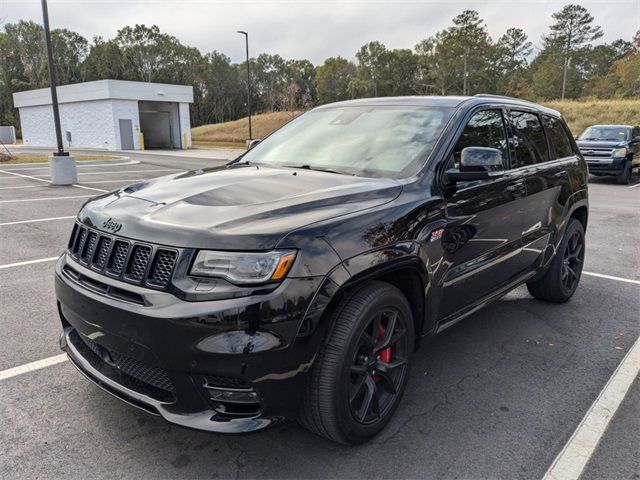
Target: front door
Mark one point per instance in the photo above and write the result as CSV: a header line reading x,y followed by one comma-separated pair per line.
x,y
482,240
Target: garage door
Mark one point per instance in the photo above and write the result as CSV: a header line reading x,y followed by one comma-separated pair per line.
x,y
156,128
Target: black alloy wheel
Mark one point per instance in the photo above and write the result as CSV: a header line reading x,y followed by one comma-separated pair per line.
x,y
561,279
572,261
378,366
361,371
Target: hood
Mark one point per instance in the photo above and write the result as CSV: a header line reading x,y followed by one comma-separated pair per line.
x,y
233,208
586,144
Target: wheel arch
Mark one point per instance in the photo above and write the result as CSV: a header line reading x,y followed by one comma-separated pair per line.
x,y
406,273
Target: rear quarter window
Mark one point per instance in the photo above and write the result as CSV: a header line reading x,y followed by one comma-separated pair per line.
x,y
558,137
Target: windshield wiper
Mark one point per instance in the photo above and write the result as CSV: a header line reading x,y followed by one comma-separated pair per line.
x,y
317,169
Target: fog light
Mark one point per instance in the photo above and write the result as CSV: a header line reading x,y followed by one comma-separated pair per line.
x,y
233,396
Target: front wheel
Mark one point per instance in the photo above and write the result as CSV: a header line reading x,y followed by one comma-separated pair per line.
x,y
561,279
625,177
360,374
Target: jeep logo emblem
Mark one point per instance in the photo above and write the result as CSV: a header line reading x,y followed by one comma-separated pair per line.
x,y
111,225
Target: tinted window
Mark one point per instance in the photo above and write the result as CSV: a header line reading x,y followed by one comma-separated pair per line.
x,y
528,139
369,141
636,132
485,129
558,137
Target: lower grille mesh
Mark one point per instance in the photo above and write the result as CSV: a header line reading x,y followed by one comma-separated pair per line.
x,y
154,376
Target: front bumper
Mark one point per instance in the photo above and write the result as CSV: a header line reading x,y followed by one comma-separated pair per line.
x,y
190,362
612,166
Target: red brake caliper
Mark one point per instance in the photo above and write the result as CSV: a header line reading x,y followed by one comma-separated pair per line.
x,y
384,355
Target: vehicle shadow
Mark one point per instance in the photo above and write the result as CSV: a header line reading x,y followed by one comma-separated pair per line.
x,y
493,397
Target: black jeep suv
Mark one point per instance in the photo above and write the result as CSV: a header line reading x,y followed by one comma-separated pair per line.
x,y
612,150
297,281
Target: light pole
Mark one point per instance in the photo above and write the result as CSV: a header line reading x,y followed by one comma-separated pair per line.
x,y
63,166
246,42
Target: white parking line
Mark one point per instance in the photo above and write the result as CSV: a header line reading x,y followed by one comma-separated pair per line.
x,y
125,171
21,187
44,199
90,188
78,165
28,262
609,277
37,220
30,367
47,181
116,181
634,186
571,461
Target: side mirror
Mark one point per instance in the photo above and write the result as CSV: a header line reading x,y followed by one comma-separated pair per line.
x,y
252,143
477,163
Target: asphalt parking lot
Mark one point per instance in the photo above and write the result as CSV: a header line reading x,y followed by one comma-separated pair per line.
x,y
497,396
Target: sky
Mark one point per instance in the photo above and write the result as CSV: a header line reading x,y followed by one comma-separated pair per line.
x,y
313,29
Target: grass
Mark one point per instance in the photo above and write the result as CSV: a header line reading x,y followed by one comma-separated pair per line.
x,y
579,114
235,133
6,159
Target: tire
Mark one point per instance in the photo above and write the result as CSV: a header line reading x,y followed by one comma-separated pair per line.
x,y
625,177
560,281
347,381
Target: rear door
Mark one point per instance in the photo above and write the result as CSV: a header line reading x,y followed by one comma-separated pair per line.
x,y
482,240
544,153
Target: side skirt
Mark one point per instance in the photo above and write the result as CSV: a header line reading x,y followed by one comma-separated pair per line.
x,y
474,307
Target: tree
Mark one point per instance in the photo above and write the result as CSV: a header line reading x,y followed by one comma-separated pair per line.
x,y
332,79
302,74
27,42
401,71
510,61
105,60
623,78
458,59
372,59
571,30
70,51
470,34
144,50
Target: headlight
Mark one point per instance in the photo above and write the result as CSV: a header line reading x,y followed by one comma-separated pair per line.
x,y
240,267
620,152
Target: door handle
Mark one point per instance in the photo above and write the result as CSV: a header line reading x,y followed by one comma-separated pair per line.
x,y
515,187
562,174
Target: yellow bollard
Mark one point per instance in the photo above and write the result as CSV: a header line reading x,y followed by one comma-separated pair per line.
x,y
184,141
141,141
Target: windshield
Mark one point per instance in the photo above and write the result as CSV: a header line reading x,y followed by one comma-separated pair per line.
x,y
605,133
370,141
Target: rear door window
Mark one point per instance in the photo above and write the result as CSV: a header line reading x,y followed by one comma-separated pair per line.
x,y
529,141
558,137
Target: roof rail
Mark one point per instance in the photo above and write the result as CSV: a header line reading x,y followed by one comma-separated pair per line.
x,y
504,97
489,95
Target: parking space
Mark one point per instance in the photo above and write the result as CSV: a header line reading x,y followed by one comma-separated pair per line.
x,y
497,396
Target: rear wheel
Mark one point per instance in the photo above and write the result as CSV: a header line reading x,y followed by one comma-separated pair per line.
x,y
361,372
561,279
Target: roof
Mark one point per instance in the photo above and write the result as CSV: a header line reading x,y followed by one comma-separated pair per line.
x,y
106,90
441,101
617,125
416,101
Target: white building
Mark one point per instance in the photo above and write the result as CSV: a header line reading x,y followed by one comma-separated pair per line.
x,y
109,114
